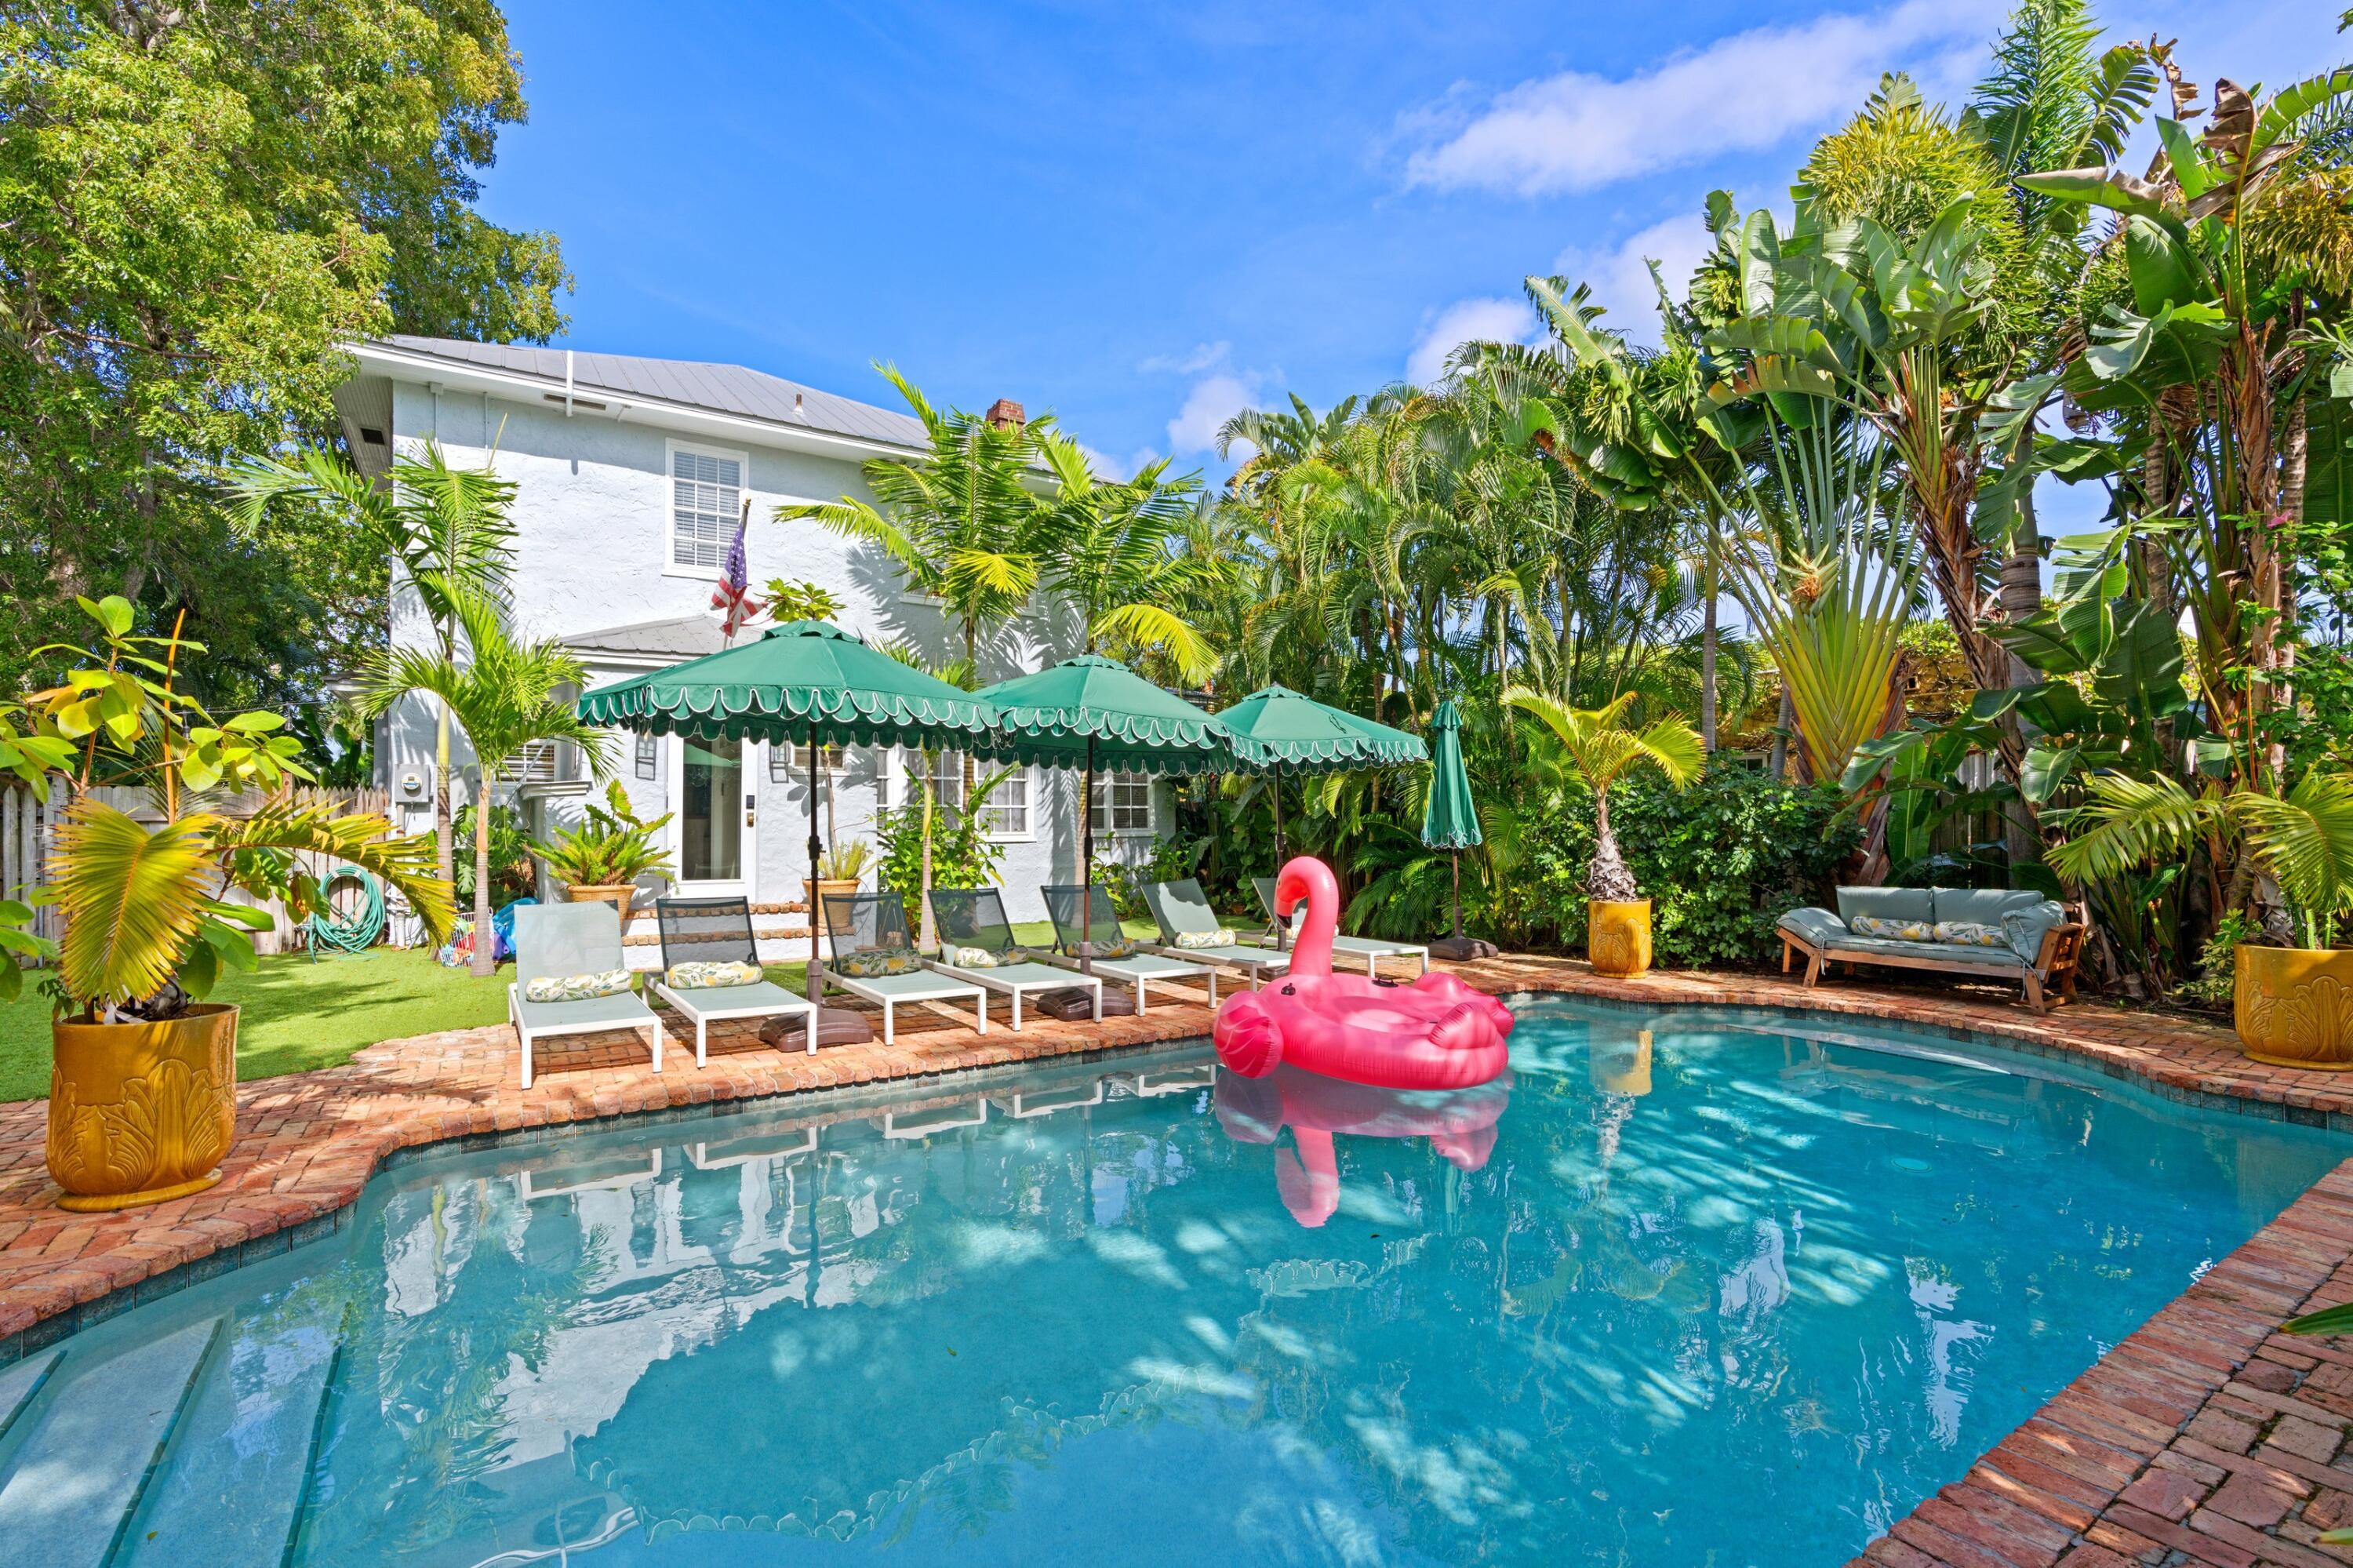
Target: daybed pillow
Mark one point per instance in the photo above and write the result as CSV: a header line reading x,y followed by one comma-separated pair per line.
x,y
706,973
977,957
2027,927
575,988
1969,934
873,963
1897,930
1223,937
1120,949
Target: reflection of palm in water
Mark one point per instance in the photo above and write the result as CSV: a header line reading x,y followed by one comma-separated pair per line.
x,y
1460,1125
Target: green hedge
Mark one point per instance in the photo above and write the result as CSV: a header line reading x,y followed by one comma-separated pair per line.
x,y
1720,860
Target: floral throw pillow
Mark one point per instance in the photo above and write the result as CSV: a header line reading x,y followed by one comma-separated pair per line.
x,y
1970,934
1223,937
977,957
575,988
706,973
873,963
1898,930
1121,949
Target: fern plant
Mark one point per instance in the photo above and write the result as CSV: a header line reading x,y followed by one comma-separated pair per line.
x,y
612,846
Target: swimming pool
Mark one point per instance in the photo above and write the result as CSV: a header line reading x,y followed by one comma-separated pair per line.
x,y
1691,1288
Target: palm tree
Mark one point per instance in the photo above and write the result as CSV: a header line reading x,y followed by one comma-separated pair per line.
x,y
1108,549
960,520
446,527
1602,748
507,697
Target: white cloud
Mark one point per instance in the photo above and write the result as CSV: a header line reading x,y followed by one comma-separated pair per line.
x,y
1467,320
1749,92
1103,465
1202,357
1621,276
1212,401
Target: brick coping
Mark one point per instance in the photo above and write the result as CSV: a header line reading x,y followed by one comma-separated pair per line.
x,y
2205,1436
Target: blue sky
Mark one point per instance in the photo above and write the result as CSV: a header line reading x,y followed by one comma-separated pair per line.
x,y
1142,219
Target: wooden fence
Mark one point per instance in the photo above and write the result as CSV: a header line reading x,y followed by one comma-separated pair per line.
x,y
28,830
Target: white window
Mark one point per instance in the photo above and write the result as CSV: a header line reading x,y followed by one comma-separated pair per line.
x,y
789,762
1006,814
648,757
706,499
1122,803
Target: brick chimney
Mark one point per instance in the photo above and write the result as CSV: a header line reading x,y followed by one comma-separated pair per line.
x,y
1004,414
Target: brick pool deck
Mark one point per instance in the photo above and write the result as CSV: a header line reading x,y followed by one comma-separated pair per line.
x,y
2204,1437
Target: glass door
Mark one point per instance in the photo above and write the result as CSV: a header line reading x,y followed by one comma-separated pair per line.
x,y
713,804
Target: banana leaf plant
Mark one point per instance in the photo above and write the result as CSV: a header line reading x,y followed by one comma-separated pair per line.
x,y
151,923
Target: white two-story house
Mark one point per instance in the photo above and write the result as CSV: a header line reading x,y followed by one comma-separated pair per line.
x,y
630,476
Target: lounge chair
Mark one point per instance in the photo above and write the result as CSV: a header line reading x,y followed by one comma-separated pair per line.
x,y
557,941
973,919
1372,949
1139,969
870,929
1182,910
719,930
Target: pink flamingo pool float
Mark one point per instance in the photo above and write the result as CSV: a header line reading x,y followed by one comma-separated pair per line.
x,y
1460,1125
1436,1033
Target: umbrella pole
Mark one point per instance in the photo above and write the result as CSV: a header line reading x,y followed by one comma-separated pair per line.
x,y
1087,863
817,896
1456,855
1281,926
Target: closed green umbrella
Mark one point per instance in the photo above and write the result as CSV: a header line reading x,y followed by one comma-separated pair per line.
x,y
1277,730
1450,822
806,681
1092,712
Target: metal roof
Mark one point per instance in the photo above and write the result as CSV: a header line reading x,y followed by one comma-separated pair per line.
x,y
683,636
715,388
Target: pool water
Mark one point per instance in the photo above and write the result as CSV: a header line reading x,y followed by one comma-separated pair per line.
x,y
1689,1287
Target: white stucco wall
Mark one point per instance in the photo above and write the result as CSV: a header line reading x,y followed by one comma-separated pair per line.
x,y
591,515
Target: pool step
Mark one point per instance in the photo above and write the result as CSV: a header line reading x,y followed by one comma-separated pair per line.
x,y
79,1470
228,1493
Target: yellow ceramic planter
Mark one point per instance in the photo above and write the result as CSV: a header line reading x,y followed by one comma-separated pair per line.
x,y
141,1112
619,895
2294,1006
1618,936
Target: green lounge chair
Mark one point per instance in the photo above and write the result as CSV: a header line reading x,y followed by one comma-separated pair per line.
x,y
877,922
1181,908
1139,970
1369,949
556,940
975,917
705,930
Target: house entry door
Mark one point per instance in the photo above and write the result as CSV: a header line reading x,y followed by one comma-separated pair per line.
x,y
714,817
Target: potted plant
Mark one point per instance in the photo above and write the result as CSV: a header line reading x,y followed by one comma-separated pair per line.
x,y
838,871
601,860
2292,1003
1602,749
143,1093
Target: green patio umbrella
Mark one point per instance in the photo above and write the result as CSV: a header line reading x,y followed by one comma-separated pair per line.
x,y
1092,712
1450,822
1277,729
806,681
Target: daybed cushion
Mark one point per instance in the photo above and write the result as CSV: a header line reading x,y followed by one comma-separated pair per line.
x,y
1864,947
1895,906
1982,905
1816,928
2026,928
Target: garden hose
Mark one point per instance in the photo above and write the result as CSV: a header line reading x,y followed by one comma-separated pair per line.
x,y
347,931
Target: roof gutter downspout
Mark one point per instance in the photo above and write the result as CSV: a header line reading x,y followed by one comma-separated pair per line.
x,y
567,384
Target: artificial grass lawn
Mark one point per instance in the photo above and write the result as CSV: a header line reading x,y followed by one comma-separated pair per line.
x,y
300,1016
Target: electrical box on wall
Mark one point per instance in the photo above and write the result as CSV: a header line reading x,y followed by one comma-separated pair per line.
x,y
410,785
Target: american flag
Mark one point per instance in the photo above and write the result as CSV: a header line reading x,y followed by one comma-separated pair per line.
x,y
733,593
